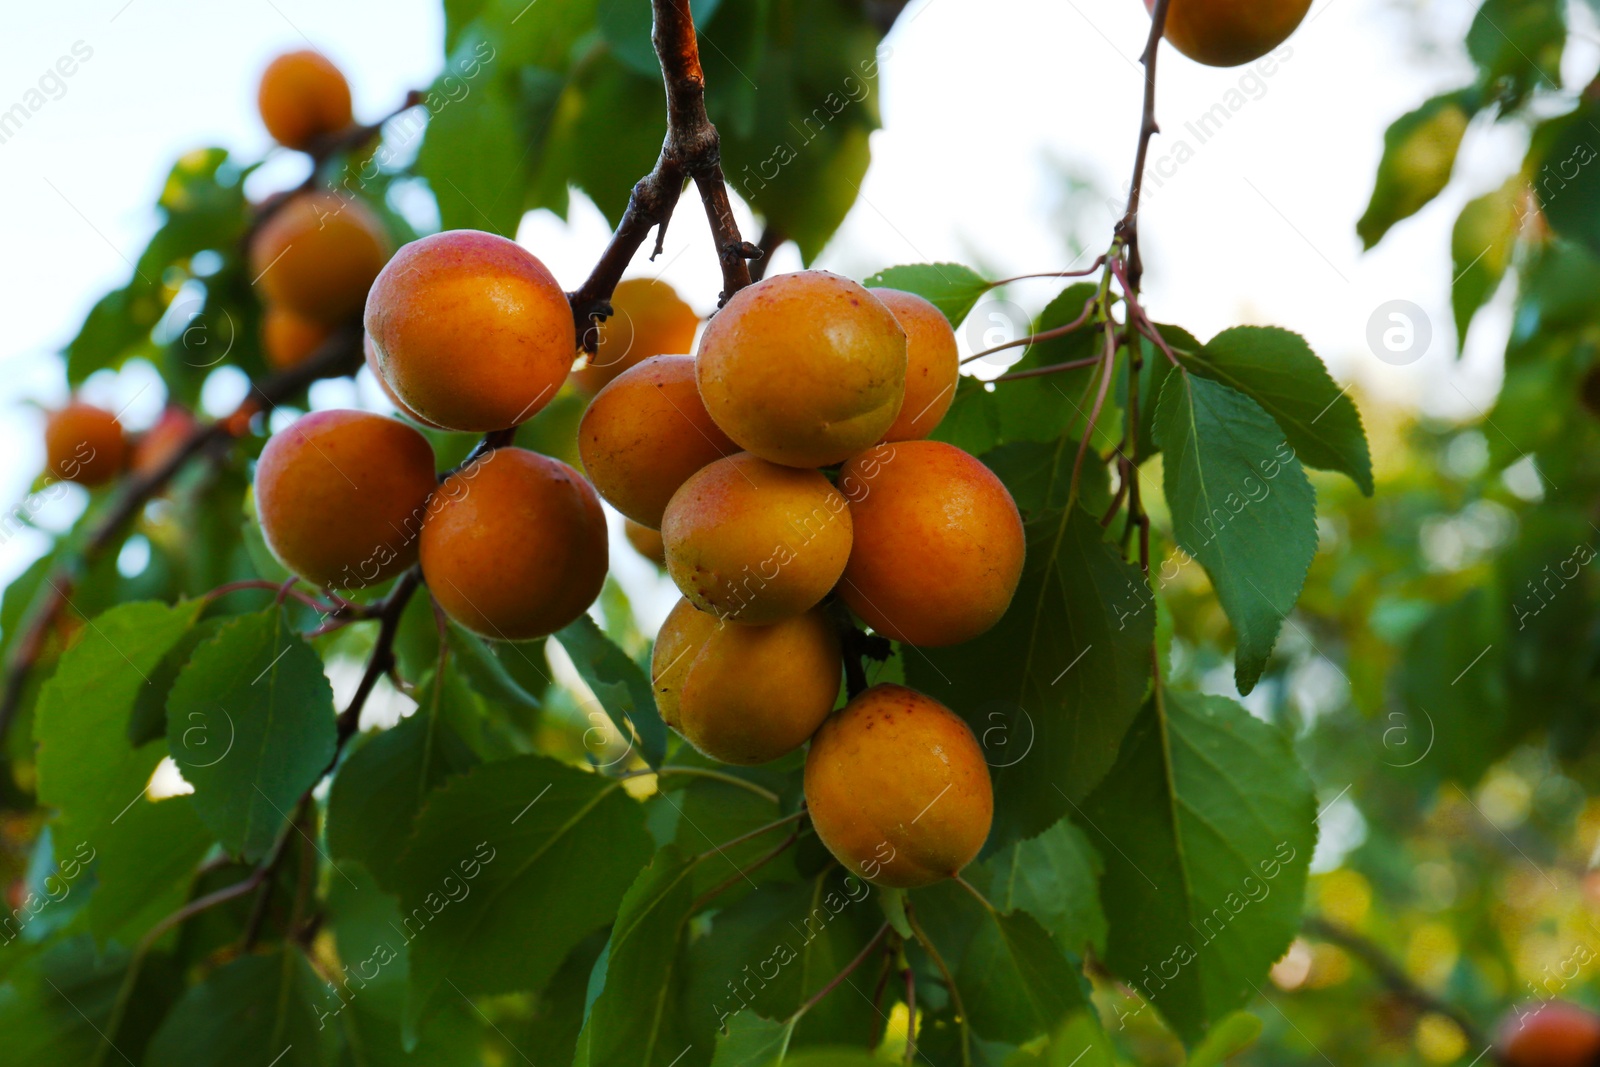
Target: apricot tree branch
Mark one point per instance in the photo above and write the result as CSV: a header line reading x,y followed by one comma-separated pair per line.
x,y
691,151
1127,230
381,661
340,354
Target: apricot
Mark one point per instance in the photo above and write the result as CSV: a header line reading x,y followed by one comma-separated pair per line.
x,y
1550,1034
803,369
756,542
342,496
1226,33
287,339
745,694
898,789
317,256
516,545
648,318
644,434
157,445
646,541
83,444
303,97
371,359
471,330
932,364
938,547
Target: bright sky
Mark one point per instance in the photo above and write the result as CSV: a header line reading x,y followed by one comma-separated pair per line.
x,y
988,106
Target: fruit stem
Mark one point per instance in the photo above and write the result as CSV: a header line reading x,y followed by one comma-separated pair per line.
x,y
950,983
849,968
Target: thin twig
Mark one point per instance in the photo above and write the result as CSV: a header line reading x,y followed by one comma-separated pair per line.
x,y
950,983
1043,335
1127,229
742,873
817,997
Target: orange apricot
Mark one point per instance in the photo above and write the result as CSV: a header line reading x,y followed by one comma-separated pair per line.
x,y
516,545
745,694
342,496
157,445
1553,1033
1226,33
302,98
471,330
923,509
932,364
83,444
898,789
317,256
646,541
648,318
756,542
371,359
803,369
287,339
644,434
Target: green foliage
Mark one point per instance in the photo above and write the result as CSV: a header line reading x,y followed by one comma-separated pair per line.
x,y
1419,153
950,287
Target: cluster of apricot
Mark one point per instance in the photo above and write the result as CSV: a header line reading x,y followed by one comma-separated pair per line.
x,y
85,443
724,454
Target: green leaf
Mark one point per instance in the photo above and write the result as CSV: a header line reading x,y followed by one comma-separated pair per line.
x,y
1517,45
710,812
512,846
55,1014
487,674
1055,878
1445,729
1241,505
381,787
1050,691
250,1010
619,684
1039,476
250,723
631,107
1481,244
1214,823
1014,980
1232,1035
644,1016
950,287
144,870
973,422
1567,183
473,160
751,1041
1419,152
87,770
1278,370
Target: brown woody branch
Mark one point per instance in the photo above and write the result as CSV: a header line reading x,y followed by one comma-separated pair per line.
x,y
690,152
1127,229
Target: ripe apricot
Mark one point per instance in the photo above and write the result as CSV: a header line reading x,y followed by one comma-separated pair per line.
x,y
804,369
288,339
162,441
471,330
646,541
648,318
754,541
938,546
371,359
302,97
932,364
1226,33
317,256
516,545
897,788
342,496
644,434
83,444
745,694
1553,1033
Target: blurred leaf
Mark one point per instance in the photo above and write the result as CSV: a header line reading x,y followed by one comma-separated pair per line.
x,y
1232,1035
1241,505
474,160
145,870
950,287
1517,45
1419,152
253,1008
1480,250
750,1041
1567,180
1214,823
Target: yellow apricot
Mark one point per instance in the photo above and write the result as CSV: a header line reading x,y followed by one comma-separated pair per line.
x,y
317,256
648,318
83,444
515,547
342,496
646,541
803,369
1226,33
371,359
898,789
756,542
303,97
471,330
644,434
745,694
288,339
932,364
938,545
